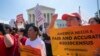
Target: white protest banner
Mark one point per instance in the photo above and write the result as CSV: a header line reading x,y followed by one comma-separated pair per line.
x,y
39,16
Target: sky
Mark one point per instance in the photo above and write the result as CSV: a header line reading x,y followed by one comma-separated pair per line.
x,y
10,8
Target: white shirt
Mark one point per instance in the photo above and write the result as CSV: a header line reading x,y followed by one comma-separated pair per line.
x,y
37,43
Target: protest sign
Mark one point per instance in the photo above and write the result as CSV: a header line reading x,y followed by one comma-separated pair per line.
x,y
76,41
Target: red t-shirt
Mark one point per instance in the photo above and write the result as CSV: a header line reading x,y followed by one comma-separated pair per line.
x,y
14,50
23,40
2,46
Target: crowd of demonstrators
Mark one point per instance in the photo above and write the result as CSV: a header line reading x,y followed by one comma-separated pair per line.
x,y
94,20
35,41
73,19
12,38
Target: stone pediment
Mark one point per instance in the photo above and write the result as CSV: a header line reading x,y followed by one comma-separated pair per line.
x,y
42,8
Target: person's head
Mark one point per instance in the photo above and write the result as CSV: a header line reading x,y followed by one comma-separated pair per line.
x,y
72,19
94,20
21,31
1,29
14,31
8,28
33,32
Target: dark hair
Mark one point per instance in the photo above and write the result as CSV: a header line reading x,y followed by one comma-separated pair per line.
x,y
97,19
8,27
45,36
22,30
2,28
14,31
78,18
26,28
35,29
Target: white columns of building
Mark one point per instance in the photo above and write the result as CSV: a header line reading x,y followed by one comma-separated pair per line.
x,y
50,17
29,16
47,17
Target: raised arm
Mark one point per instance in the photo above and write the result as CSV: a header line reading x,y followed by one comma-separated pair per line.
x,y
8,39
9,42
51,25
